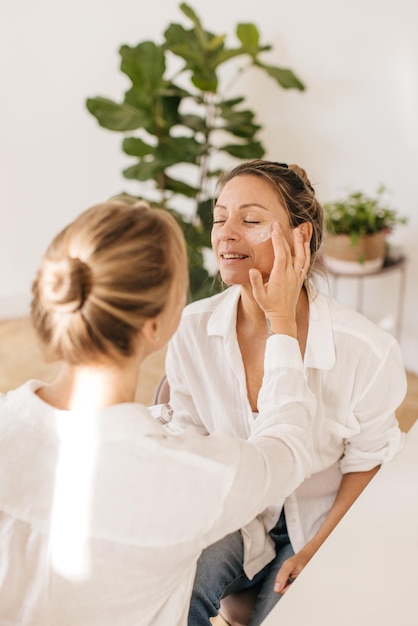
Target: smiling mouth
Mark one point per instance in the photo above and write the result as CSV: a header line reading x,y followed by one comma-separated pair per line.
x,y
230,256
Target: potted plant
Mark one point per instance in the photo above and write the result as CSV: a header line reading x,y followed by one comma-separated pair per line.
x,y
181,125
357,227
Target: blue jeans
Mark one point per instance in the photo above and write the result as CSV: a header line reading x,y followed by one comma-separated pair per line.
x,y
220,572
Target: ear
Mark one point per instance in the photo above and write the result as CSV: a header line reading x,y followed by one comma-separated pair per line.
x,y
306,229
151,330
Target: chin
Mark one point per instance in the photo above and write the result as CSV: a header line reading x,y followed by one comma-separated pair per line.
x,y
235,280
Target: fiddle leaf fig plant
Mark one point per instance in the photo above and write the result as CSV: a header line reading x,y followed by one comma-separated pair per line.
x,y
180,125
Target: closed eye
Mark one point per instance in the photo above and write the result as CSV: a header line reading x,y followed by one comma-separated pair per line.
x,y
222,221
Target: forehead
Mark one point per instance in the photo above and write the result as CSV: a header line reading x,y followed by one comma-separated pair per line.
x,y
247,189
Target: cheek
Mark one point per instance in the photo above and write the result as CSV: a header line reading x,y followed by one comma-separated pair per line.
x,y
265,252
264,258
289,236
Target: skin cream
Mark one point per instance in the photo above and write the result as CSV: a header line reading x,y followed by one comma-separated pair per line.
x,y
260,234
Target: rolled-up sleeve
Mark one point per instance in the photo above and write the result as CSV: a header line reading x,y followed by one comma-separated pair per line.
x,y
376,435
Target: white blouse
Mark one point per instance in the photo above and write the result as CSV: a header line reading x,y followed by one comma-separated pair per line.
x,y
355,372
104,514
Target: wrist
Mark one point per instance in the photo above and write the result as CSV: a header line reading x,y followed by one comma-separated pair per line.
x,y
281,325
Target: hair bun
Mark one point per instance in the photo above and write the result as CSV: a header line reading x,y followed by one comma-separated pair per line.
x,y
303,175
64,284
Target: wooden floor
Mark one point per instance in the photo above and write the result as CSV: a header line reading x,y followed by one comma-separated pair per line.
x,y
21,359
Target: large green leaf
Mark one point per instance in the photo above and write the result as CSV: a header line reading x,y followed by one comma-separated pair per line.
x,y
202,285
243,130
201,35
173,150
194,122
144,170
115,116
226,105
186,44
171,89
215,173
134,146
284,77
157,98
154,160
198,277
249,150
137,98
204,211
249,37
180,187
166,111
240,123
191,14
145,65
160,111
237,116
193,236
199,56
203,39
200,49
205,81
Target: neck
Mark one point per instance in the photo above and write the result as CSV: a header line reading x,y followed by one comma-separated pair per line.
x,y
92,387
249,309
250,315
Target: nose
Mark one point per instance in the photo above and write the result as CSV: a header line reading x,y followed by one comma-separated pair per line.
x,y
229,231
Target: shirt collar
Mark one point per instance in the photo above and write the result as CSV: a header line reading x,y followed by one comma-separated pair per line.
x,y
320,350
115,421
224,318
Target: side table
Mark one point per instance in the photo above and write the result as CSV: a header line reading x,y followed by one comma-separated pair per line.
x,y
391,264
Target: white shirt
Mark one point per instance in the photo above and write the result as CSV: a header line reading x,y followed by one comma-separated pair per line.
x,y
103,515
355,372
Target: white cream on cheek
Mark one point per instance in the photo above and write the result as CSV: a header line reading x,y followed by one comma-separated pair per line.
x,y
260,234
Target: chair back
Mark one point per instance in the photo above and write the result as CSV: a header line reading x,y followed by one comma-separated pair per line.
x,y
162,392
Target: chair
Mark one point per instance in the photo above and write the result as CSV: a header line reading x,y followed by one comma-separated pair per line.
x,y
236,608
162,392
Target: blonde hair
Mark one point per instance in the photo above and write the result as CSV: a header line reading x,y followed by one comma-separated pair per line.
x,y
293,189
103,276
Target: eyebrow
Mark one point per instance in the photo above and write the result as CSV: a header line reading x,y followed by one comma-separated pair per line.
x,y
243,206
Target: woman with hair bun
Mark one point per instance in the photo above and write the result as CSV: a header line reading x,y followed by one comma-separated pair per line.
x,y
353,368
103,511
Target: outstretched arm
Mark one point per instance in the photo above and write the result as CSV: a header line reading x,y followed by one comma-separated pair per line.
x,y
352,484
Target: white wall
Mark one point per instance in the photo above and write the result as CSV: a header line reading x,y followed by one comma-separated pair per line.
x,y
354,127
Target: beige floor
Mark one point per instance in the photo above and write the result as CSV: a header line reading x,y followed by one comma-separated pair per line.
x,y
21,359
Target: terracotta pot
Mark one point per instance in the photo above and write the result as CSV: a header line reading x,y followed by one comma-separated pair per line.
x,y
366,256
